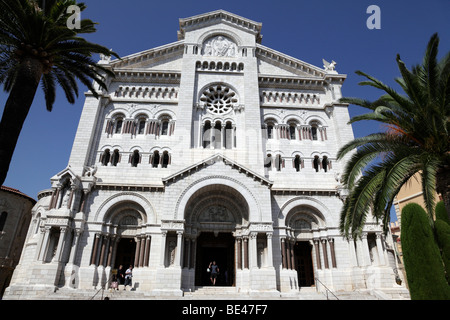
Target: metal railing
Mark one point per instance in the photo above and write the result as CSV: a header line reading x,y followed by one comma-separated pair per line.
x,y
326,289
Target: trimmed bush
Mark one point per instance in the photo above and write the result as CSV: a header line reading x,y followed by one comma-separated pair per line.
x,y
441,212
421,256
443,237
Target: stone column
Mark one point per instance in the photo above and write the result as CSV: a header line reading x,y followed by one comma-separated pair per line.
x,y
62,236
283,253
317,249
45,234
163,249
245,253
239,253
193,253
74,250
380,249
269,249
291,247
352,250
142,252
94,249
147,251
179,249
325,253
105,244
288,254
253,250
137,251
333,254
365,250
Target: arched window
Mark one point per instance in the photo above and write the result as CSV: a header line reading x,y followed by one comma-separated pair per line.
x,y
155,159
115,157
316,163
268,162
206,134
105,157
229,134
218,135
141,126
3,217
325,163
270,125
118,126
297,163
314,131
292,130
278,162
164,127
135,158
165,159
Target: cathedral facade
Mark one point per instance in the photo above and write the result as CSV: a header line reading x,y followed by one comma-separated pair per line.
x,y
213,147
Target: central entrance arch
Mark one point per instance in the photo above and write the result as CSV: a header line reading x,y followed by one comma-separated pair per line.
x,y
215,215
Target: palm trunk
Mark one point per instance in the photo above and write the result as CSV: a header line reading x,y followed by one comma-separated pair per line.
x,y
443,186
16,110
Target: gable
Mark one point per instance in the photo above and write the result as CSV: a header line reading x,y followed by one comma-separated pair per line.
x,y
274,63
167,57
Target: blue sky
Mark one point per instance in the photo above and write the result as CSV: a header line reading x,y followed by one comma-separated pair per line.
x,y
307,30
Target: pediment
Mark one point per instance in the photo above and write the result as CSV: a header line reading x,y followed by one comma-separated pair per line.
x,y
217,17
167,58
211,161
274,63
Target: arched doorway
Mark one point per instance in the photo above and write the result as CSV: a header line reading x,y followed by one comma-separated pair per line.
x,y
214,215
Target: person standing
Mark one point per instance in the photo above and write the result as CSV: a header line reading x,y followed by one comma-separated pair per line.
x,y
128,276
214,272
120,276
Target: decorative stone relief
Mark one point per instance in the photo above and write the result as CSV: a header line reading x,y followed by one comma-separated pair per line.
x,y
216,214
220,46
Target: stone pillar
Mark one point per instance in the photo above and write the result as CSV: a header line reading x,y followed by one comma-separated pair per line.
x,y
288,254
325,253
239,253
142,252
269,249
352,250
253,250
245,253
163,248
193,253
380,249
179,249
137,251
58,254
333,253
317,249
365,250
42,243
74,250
291,247
283,253
147,251
94,249
101,262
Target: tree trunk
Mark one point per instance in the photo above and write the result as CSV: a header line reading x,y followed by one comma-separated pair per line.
x,y
443,186
16,110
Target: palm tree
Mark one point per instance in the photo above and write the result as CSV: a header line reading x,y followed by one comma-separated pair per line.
x,y
416,140
37,46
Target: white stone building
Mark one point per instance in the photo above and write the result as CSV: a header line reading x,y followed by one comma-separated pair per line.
x,y
213,147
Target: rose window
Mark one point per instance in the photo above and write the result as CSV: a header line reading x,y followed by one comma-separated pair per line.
x,y
219,99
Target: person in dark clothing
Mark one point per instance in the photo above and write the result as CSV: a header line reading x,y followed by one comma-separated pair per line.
x,y
214,272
